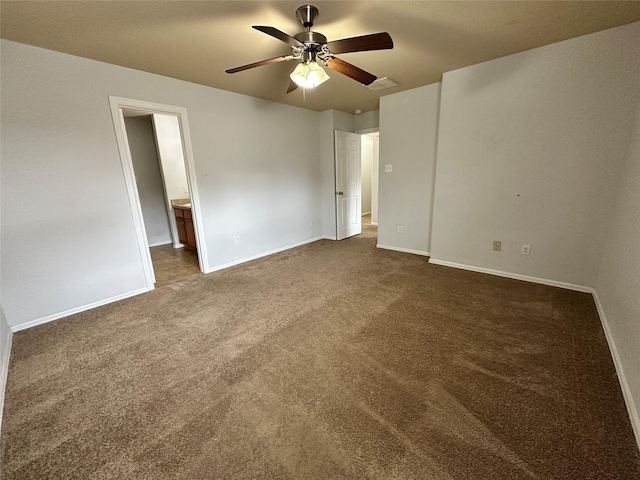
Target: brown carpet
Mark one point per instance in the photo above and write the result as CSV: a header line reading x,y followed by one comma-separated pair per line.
x,y
333,360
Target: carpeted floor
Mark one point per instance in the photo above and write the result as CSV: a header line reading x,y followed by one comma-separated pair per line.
x,y
334,360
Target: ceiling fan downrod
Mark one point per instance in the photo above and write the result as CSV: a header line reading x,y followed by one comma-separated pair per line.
x,y
313,40
307,14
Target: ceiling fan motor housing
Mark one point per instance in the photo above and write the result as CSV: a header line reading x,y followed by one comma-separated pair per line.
x,y
311,38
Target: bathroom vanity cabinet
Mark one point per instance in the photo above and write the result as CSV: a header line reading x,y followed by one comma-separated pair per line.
x,y
184,223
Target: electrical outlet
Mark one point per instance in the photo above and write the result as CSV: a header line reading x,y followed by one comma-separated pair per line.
x,y
497,245
526,249
237,240
388,168
400,228
186,189
311,223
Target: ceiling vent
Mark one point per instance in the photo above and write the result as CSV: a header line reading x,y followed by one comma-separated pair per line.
x,y
382,84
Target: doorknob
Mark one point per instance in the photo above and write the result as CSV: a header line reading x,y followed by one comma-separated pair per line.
x,y
339,193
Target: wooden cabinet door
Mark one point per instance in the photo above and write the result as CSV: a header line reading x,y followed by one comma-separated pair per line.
x,y
184,224
189,233
182,230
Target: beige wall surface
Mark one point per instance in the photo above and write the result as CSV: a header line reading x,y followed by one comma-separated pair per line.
x,y
530,151
408,136
68,231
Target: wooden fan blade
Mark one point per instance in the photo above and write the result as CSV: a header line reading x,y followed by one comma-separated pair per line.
x,y
292,86
274,32
256,64
375,41
351,71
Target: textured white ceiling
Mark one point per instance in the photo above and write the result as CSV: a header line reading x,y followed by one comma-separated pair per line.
x,y
197,41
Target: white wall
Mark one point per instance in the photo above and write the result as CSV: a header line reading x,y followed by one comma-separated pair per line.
x,y
68,232
366,120
5,354
169,141
618,281
172,165
375,179
408,132
530,151
327,199
146,165
366,157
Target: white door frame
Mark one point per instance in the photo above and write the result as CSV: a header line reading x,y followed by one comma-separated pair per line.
x,y
117,104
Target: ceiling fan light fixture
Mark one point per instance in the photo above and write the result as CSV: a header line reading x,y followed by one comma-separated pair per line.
x,y
309,75
307,47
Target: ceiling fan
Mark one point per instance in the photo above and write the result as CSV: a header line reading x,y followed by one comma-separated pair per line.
x,y
310,47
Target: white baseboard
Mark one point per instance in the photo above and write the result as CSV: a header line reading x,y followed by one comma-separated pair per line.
x,y
163,242
260,255
327,237
404,250
515,276
56,316
624,385
4,370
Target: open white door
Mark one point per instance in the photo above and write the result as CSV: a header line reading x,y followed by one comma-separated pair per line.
x,y
348,184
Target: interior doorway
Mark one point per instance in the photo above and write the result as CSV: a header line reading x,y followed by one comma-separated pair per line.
x,y
370,173
357,167
162,196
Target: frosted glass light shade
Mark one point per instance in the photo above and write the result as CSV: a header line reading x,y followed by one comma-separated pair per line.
x,y
309,75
